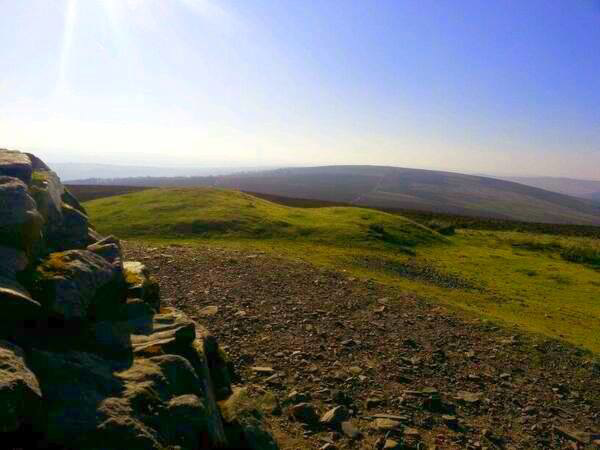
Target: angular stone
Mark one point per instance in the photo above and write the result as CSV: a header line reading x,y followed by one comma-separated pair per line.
x,y
208,311
140,284
242,414
78,285
298,397
221,372
304,412
16,305
72,201
385,425
469,397
335,416
153,403
187,415
111,339
394,417
451,421
163,333
391,444
411,432
37,163
373,402
109,240
20,222
20,394
350,430
15,164
74,228
110,252
263,370
215,387
12,261
113,372
93,236
135,308
66,226
47,190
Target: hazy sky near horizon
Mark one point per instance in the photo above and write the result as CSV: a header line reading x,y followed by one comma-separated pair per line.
x,y
494,86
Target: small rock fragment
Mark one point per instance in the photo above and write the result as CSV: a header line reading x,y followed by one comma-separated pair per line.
x,y
391,444
335,416
305,413
385,424
208,311
350,430
263,370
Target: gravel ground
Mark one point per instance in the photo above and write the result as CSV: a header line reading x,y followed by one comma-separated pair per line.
x,y
324,339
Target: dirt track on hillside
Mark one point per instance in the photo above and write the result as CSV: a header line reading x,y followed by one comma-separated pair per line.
x,y
338,340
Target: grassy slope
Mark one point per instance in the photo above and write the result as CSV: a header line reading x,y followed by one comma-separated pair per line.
x,y
225,214
527,285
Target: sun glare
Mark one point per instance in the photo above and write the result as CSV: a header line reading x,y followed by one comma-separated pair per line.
x,y
67,42
122,16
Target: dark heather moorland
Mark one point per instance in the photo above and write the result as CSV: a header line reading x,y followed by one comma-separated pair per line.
x,y
398,188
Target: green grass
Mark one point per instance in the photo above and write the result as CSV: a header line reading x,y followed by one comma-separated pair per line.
x,y
524,279
224,214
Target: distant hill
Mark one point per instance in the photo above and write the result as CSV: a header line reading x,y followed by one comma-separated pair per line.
x,y
595,196
400,188
569,186
86,193
78,171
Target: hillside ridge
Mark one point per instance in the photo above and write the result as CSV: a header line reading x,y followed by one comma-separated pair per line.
x,y
399,188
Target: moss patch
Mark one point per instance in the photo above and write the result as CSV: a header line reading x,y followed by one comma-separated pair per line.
x,y
132,278
39,178
55,264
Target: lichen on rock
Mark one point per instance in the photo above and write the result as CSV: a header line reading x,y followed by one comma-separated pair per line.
x,y
89,358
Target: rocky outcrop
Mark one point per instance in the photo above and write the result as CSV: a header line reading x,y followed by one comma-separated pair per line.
x,y
78,285
20,222
88,357
20,394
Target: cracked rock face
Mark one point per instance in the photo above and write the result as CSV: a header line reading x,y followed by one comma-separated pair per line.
x,y
88,358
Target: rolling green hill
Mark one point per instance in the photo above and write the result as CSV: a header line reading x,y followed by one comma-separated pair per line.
x,y
542,283
225,214
401,188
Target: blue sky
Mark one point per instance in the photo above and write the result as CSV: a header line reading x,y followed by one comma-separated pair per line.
x,y
502,86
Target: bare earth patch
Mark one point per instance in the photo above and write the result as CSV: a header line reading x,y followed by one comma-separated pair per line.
x,y
434,379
